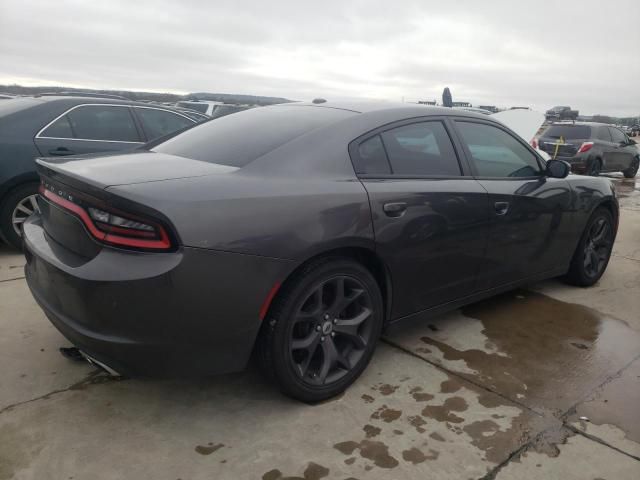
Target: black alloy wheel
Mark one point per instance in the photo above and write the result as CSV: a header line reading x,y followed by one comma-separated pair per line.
x,y
322,328
331,330
594,250
597,248
632,171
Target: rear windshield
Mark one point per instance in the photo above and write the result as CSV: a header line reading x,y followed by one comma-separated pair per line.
x,y
238,139
568,131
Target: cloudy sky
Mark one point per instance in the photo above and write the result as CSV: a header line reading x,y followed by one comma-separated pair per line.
x,y
538,53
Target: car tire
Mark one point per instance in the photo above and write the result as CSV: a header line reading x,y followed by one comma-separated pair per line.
x,y
15,208
632,171
310,346
590,249
595,167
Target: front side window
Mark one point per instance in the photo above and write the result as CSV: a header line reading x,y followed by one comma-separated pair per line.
x,y
158,123
496,153
59,129
103,122
421,149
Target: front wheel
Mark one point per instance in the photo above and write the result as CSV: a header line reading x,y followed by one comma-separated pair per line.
x,y
593,251
632,171
322,329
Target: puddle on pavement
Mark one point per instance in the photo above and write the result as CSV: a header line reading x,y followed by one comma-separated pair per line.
x,y
615,403
550,354
628,190
312,472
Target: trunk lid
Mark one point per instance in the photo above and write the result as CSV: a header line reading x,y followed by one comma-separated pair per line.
x,y
108,170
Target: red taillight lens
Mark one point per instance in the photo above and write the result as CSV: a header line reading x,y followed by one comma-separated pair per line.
x,y
114,228
585,147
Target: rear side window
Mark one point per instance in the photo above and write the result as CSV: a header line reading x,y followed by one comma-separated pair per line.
x,y
568,132
157,123
421,149
238,139
103,122
61,128
496,153
371,157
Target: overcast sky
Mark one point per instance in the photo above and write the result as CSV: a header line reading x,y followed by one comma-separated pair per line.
x,y
581,53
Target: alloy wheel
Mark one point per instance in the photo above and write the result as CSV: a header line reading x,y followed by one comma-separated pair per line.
x,y
597,247
331,330
26,207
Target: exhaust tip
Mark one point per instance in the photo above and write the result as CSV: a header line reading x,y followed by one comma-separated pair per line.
x,y
77,355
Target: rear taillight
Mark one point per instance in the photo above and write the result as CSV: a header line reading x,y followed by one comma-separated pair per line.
x,y
585,147
114,228
534,143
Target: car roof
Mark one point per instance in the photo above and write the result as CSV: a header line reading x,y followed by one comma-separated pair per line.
x,y
401,109
586,124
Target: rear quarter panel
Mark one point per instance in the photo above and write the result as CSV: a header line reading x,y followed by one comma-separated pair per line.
x,y
289,218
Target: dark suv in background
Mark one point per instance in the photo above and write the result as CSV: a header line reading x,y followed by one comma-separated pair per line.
x,y
52,125
591,148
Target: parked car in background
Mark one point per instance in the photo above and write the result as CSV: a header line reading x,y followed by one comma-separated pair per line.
x,y
227,109
193,114
203,106
635,130
561,113
53,125
300,231
591,148
212,109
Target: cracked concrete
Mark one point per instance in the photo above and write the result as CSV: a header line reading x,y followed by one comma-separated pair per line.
x,y
493,391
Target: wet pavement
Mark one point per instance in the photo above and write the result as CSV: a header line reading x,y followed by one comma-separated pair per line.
x,y
542,382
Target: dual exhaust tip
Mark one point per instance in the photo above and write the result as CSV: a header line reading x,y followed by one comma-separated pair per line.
x,y
77,355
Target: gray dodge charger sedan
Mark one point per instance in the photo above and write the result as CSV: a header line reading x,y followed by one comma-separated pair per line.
x,y
299,232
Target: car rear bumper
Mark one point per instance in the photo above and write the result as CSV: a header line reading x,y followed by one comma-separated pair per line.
x,y
189,313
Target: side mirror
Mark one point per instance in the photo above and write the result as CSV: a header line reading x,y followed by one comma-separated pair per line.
x,y
558,169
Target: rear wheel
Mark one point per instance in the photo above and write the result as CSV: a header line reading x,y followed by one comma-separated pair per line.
x,y
322,329
593,251
15,209
633,169
595,168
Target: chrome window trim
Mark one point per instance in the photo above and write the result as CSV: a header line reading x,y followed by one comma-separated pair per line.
x,y
39,134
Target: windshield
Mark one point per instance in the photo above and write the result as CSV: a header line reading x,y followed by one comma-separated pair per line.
x,y
238,139
568,131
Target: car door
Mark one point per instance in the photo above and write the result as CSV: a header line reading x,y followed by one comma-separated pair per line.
x,y
622,152
157,122
90,128
429,214
530,213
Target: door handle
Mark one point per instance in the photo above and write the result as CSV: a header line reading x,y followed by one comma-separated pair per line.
x,y
501,208
61,151
395,209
